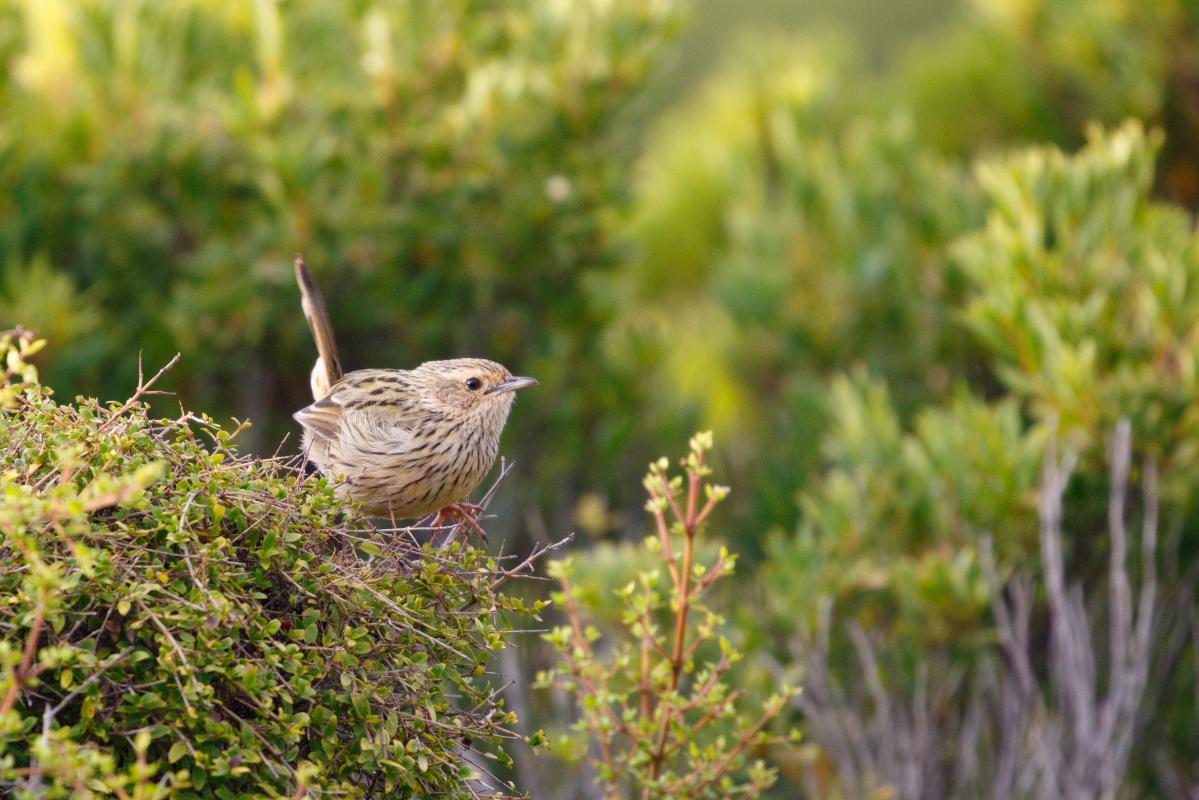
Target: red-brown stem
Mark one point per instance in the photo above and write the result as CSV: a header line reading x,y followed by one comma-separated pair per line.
x,y
644,618
680,626
664,537
700,694
572,613
693,491
647,640
683,588
703,515
692,649
645,672
720,767
595,728
143,389
742,743
674,504
706,719
22,673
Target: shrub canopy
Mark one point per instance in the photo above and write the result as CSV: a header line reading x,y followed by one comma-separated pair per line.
x,y
178,615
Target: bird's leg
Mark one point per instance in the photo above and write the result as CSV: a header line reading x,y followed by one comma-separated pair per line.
x,y
468,514
465,514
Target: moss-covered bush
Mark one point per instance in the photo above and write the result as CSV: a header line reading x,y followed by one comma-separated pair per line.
x,y
178,619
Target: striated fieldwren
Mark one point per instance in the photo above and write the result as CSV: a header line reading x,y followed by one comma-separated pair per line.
x,y
403,443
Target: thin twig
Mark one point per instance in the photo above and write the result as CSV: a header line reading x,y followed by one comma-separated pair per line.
x,y
143,389
24,670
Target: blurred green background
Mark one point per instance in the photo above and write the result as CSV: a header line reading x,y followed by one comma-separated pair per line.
x,y
839,234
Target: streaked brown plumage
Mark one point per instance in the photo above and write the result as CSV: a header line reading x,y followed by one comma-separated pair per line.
x,y
403,443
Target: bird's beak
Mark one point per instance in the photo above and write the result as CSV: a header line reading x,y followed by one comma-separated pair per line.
x,y
512,384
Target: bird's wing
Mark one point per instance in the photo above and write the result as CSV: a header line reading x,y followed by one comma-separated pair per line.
x,y
323,417
378,399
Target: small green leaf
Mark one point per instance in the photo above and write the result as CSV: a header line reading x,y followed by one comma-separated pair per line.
x,y
178,750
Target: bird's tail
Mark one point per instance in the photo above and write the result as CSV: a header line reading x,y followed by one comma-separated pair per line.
x,y
327,370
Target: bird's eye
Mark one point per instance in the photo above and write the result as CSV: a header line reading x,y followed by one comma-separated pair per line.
x,y
473,384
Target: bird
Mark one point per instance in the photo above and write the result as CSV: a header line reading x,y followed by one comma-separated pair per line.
x,y
403,443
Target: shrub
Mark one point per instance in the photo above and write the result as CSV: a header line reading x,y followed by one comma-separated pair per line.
x,y
657,704
1058,719
179,619
785,228
890,530
1080,291
1085,292
795,216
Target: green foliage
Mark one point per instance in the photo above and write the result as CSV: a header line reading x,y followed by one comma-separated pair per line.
x,y
657,702
181,620
795,216
1039,70
770,253
20,375
1081,296
891,528
1086,293
983,304
887,313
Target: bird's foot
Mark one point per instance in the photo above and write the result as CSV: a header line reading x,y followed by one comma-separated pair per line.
x,y
464,515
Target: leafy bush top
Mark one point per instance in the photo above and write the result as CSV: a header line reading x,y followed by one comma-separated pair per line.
x,y
1085,291
177,616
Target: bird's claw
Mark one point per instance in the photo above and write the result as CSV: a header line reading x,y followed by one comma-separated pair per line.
x,y
465,516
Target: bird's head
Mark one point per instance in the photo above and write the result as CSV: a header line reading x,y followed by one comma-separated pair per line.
x,y
473,386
